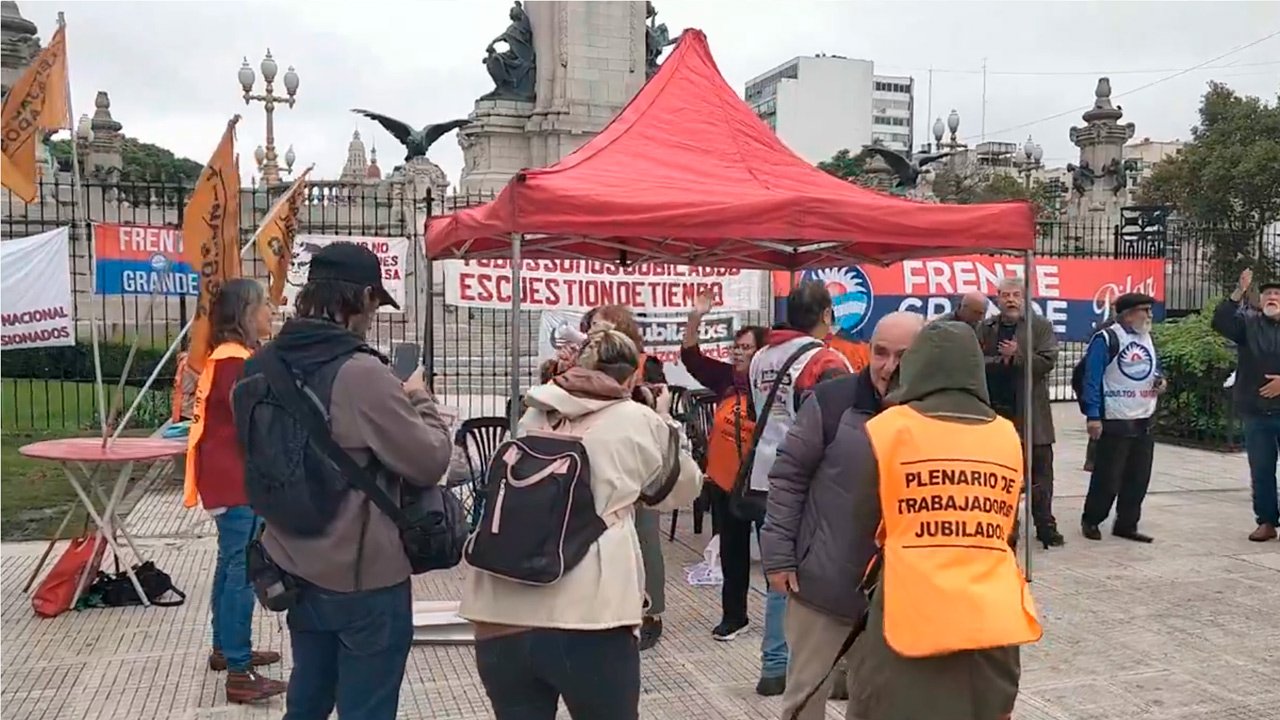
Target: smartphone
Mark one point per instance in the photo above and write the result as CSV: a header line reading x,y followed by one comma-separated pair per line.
x,y
405,359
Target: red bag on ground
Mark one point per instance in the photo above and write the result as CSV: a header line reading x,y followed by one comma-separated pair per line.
x,y
53,596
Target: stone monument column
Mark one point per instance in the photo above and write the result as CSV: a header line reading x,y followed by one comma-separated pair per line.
x,y
1099,184
18,44
562,71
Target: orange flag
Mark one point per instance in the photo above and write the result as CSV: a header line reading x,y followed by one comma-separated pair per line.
x,y
275,235
211,236
36,104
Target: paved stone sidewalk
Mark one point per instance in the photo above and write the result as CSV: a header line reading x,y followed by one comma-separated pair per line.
x,y
1185,629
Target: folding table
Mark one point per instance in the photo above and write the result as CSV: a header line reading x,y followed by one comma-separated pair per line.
x,y
80,460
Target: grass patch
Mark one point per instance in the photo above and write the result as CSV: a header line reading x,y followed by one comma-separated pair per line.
x,y
34,494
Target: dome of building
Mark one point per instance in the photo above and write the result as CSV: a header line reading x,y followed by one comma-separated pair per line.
x,y
373,172
354,169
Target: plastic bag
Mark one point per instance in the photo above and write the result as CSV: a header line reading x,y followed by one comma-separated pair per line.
x,y
707,572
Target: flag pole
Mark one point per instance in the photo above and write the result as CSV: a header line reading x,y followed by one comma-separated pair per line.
x,y
79,219
253,241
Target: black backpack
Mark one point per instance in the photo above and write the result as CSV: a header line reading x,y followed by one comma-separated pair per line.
x,y
118,591
296,475
539,513
1077,372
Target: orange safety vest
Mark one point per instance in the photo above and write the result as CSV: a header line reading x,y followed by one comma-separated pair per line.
x,y
190,495
729,441
949,496
855,352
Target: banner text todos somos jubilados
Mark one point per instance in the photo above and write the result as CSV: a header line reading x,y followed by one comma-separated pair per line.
x,y
585,284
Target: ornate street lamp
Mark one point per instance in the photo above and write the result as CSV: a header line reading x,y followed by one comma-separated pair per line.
x,y
1032,154
267,162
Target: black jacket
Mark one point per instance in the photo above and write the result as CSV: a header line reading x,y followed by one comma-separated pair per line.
x,y
1258,339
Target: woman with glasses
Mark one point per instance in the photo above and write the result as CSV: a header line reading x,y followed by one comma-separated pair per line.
x,y
727,445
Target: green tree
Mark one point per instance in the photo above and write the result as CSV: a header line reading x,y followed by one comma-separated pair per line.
x,y
963,182
141,162
1228,179
845,165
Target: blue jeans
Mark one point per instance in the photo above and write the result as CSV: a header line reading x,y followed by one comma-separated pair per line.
x,y
231,602
773,647
349,650
1262,442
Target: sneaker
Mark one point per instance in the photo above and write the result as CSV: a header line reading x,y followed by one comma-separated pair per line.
x,y
771,686
1133,535
1050,538
728,630
1264,533
650,632
1090,531
250,687
218,661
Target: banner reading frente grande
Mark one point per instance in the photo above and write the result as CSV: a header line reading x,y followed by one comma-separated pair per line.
x,y
140,260
585,284
36,307
1072,293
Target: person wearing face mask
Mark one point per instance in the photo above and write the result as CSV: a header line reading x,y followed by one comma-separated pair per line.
x,y
820,528
1003,339
1257,391
1120,392
728,442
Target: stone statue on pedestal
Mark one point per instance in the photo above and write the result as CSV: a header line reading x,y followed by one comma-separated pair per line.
x,y
513,70
1099,182
657,38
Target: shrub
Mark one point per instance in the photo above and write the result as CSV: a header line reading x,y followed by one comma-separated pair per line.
x,y
76,363
1196,361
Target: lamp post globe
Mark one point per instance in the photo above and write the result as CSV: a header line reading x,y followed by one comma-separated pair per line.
x,y
291,81
953,121
938,130
269,68
246,79
259,154
1037,154
289,158
1029,149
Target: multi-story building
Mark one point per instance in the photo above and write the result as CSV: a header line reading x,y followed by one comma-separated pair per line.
x,y
892,109
1142,155
819,105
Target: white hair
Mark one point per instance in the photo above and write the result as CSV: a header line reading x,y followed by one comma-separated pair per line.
x,y
1010,282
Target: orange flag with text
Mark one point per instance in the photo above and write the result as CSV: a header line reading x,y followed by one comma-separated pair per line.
x,y
211,237
275,235
36,104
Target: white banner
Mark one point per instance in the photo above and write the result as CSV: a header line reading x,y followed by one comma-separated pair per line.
x,y
585,284
663,337
36,309
393,253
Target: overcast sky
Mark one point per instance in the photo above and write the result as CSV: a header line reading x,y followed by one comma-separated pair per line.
x,y
170,67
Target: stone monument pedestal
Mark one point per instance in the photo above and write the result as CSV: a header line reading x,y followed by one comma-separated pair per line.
x,y
495,146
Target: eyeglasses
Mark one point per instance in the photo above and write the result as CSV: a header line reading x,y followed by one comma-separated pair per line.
x,y
745,348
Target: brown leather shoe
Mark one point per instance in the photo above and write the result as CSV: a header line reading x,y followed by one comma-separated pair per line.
x,y
1264,533
250,687
218,661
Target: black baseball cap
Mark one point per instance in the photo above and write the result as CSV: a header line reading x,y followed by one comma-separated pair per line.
x,y
1269,285
351,263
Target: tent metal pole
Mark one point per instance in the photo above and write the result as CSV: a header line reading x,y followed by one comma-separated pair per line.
x,y
1028,446
514,404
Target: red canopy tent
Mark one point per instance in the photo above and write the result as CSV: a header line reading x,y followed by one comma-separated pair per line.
x,y
687,173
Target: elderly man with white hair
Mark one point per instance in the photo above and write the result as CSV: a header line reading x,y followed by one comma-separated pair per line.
x,y
1004,338
819,532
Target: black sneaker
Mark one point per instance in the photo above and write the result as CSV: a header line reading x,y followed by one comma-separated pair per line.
x,y
650,632
728,630
1050,538
771,686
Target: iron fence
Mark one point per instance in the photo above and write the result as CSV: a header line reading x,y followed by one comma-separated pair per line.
x,y
467,350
